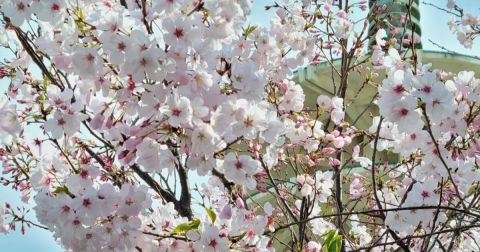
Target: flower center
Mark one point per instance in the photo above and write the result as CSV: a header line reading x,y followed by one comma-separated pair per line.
x,y
213,243
121,46
21,6
55,7
66,209
61,122
84,173
238,165
86,202
90,57
398,89
404,112
178,33
427,89
425,194
176,112
413,136
144,62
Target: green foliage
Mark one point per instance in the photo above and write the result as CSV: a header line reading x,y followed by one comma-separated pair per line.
x,y
63,189
183,228
80,20
333,241
247,31
211,214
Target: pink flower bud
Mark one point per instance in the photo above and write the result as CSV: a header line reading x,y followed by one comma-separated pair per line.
x,y
330,137
226,212
97,121
328,150
301,179
328,7
334,162
109,122
240,203
342,14
310,180
132,143
3,73
311,163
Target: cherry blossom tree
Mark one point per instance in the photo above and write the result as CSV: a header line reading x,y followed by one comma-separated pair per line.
x,y
175,125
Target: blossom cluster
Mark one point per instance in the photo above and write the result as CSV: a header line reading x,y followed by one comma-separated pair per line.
x,y
430,118
465,25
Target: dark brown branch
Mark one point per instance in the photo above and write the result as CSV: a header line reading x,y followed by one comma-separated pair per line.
x,y
168,196
144,13
442,9
23,220
374,187
229,185
38,61
217,153
124,3
186,197
198,7
376,211
176,237
289,210
430,132
374,155
458,229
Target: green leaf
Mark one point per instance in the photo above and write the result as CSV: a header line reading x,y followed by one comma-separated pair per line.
x,y
36,117
211,214
46,81
238,237
80,20
472,189
183,228
333,241
247,31
62,189
328,234
335,245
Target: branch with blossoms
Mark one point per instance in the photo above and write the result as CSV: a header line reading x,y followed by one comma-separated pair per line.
x,y
176,125
465,25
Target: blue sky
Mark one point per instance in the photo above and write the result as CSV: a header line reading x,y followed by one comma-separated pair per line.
x,y
434,27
